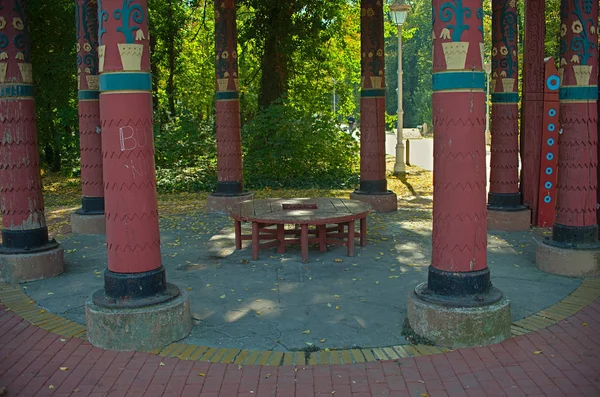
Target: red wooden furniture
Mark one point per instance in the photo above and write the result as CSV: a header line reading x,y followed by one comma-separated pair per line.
x,y
319,221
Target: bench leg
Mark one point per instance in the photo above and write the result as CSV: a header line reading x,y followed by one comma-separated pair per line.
x,y
304,241
255,240
350,242
363,231
238,235
281,238
322,232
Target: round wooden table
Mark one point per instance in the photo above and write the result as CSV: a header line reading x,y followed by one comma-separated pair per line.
x,y
317,220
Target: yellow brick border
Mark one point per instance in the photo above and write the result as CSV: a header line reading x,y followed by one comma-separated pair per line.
x,y
13,297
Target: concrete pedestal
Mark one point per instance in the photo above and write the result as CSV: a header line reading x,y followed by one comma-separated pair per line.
x,y
383,202
568,261
20,268
456,327
222,204
88,224
143,328
508,221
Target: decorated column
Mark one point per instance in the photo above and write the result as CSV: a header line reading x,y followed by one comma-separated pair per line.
x,y
229,189
573,248
26,252
505,211
458,305
137,308
90,217
532,108
373,183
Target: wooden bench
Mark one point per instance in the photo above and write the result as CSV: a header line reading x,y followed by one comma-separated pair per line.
x,y
319,221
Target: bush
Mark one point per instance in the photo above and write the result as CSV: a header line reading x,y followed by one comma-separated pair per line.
x,y
287,148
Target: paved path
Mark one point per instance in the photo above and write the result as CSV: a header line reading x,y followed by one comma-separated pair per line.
x,y
561,360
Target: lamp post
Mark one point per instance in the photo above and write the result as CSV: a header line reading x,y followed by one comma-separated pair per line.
x,y
488,69
399,11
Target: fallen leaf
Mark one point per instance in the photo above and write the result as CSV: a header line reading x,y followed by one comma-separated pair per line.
x,y
42,311
305,332
338,260
322,340
424,395
329,305
337,308
63,340
336,296
50,293
585,324
376,282
222,296
537,352
189,288
258,313
162,364
51,387
64,368
308,343
203,374
267,376
208,285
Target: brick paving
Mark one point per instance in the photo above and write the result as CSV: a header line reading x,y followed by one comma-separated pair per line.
x,y
561,360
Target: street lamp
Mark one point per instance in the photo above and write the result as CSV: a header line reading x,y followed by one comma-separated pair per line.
x,y
399,12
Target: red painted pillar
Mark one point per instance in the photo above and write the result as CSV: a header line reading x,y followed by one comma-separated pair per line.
x,y
504,175
458,266
135,275
86,12
576,223
532,108
23,221
373,183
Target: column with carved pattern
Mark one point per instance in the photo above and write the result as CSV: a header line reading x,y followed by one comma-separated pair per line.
x,y
26,252
137,308
373,183
505,211
229,190
89,219
574,248
458,296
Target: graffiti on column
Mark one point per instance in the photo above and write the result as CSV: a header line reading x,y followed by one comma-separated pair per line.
x,y
578,161
549,161
21,199
459,218
86,12
504,174
228,135
127,139
372,101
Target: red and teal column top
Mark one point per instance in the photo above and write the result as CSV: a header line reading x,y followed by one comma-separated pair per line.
x,y
135,275
576,222
504,174
21,202
86,13
458,268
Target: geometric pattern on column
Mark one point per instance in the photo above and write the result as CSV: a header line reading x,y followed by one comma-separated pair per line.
x,y
532,108
89,108
228,135
21,201
135,275
504,164
576,221
458,264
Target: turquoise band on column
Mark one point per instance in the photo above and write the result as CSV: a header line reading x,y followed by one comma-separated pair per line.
x,y
467,80
125,81
227,95
505,97
16,90
88,94
578,93
372,93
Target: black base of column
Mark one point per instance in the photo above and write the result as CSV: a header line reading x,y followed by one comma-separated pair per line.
x,y
505,202
228,189
456,289
26,241
129,290
91,206
576,237
373,187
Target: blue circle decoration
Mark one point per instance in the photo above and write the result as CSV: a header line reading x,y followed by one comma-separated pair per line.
x,y
552,112
548,185
547,199
550,156
549,171
551,127
550,141
553,82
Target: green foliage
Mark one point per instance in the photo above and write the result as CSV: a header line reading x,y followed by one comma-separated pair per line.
x,y
286,147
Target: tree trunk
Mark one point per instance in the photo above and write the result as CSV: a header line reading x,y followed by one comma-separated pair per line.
x,y
172,33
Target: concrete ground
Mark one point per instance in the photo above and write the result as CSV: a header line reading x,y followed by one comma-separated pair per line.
x,y
278,303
